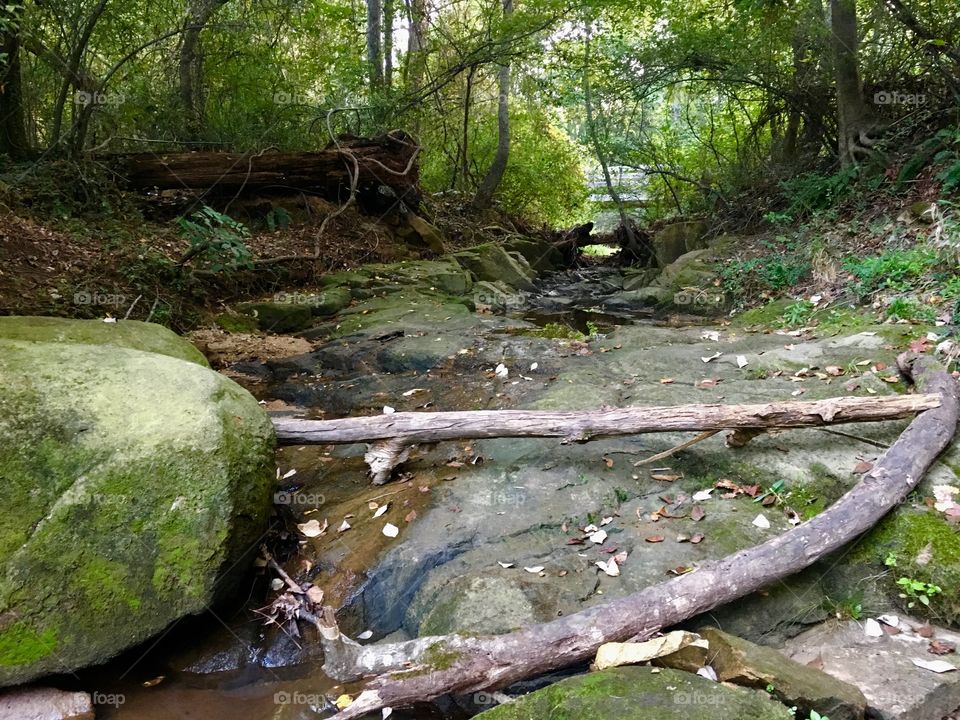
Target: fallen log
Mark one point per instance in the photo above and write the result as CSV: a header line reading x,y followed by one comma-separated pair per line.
x,y
429,667
393,434
387,161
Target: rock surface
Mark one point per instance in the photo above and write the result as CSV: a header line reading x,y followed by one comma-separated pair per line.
x,y
40,703
640,693
133,486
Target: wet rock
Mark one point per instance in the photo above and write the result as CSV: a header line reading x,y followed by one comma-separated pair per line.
x,y
134,488
644,298
639,278
429,234
540,254
641,693
883,668
40,703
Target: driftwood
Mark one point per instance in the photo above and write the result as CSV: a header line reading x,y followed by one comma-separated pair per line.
x,y
388,161
429,667
392,435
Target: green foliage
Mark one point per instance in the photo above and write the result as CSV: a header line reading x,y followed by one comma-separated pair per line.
x,y
899,270
798,313
917,591
217,240
812,191
748,277
911,310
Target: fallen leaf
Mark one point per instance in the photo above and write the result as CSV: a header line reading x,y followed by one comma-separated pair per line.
x,y
761,522
708,672
598,537
666,381
608,461
610,567
664,478
834,370
871,628
816,663
391,530
504,565
680,570
711,358
615,654
862,467
343,526
381,510
925,631
343,702
742,361
535,569
937,666
942,647
697,538
654,539
697,513
312,528
315,595
410,516
702,495
387,410
365,635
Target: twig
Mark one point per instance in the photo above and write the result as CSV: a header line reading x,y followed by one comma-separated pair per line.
x,y
683,446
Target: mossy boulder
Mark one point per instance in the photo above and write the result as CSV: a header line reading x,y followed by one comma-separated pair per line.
x,y
541,255
640,693
236,323
674,240
491,262
149,337
279,317
134,487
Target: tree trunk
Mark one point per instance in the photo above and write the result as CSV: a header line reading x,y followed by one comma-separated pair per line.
x,y
13,133
853,115
374,47
491,181
190,66
408,672
416,44
393,434
389,13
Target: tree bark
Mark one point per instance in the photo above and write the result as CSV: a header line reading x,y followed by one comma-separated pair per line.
x,y
393,434
491,181
416,64
374,46
389,13
429,667
190,66
853,115
13,133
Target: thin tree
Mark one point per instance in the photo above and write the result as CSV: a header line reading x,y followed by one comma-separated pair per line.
x,y
374,45
190,66
853,115
13,134
491,181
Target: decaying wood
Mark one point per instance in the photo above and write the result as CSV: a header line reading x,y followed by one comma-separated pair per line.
x,y
388,161
393,434
428,667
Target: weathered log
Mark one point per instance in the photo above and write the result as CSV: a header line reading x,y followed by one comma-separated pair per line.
x,y
428,667
392,434
388,161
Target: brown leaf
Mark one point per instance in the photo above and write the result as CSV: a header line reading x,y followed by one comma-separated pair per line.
x,y
654,539
768,500
942,647
816,663
696,538
862,467
608,461
665,478
925,631
697,513
834,370
680,570
666,381
411,516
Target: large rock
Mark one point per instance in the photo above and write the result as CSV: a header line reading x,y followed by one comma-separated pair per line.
x,y
674,240
40,703
640,693
540,254
491,262
123,333
279,317
133,487
742,662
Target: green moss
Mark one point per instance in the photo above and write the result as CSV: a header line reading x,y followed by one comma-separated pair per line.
x,y
812,497
234,323
440,658
767,315
904,535
21,645
104,584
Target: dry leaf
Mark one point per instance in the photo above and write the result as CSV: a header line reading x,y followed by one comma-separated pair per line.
x,y
390,530
654,539
697,513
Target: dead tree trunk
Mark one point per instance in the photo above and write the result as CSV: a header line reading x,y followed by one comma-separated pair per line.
x,y
429,667
388,161
393,434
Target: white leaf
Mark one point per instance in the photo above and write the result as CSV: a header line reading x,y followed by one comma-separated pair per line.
x,y
501,371
711,335
387,410
610,567
761,522
311,528
408,393
932,337
343,526
109,320
712,357
289,473
386,712
365,635
937,666
742,361
701,495
708,672
606,521
276,584
891,620
534,366
391,530
815,299
598,537
381,510
535,569
871,628
504,565
590,528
